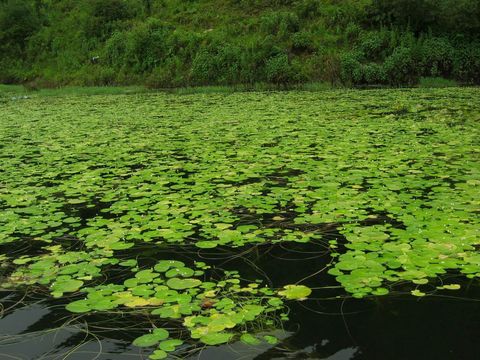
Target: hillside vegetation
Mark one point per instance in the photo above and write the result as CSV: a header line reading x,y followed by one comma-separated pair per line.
x,y
171,43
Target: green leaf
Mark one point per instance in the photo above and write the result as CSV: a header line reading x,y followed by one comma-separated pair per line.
x,y
418,293
146,340
158,355
272,340
170,345
64,286
161,334
206,244
164,265
295,292
216,338
181,284
79,306
182,271
450,287
249,339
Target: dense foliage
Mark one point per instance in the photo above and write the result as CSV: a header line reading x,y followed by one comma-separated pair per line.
x,y
169,43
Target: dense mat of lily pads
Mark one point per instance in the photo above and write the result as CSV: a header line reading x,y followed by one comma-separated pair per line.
x,y
84,181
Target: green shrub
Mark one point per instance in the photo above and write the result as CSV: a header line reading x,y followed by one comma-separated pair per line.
x,y
280,71
351,68
437,57
374,74
302,42
280,23
18,21
466,63
106,16
401,67
352,32
217,64
170,74
374,45
309,9
140,49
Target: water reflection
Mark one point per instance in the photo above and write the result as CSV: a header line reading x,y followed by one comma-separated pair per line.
x,y
397,328
393,327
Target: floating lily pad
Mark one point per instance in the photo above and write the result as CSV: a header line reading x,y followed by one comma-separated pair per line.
x,y
181,284
295,292
249,339
170,345
216,338
79,306
146,340
206,244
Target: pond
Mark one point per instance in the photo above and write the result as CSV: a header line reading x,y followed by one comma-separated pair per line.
x,y
292,225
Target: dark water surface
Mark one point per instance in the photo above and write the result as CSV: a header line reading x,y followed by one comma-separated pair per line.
x,y
397,326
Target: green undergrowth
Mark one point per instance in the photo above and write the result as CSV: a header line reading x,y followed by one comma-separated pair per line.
x,y
436,82
386,182
18,92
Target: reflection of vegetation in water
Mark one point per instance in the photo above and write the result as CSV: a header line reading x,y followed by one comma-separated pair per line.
x,y
385,182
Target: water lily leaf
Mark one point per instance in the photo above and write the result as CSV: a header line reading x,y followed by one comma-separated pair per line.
x,y
418,293
128,263
79,306
69,285
249,339
136,302
145,276
450,287
182,271
206,244
380,291
272,340
216,338
158,355
295,292
146,340
120,245
164,265
142,290
161,334
181,284
170,345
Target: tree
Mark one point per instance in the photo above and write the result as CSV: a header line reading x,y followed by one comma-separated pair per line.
x,y
18,21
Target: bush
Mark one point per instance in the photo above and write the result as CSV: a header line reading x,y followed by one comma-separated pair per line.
x,y
302,42
170,74
437,57
255,53
466,63
140,49
374,45
96,76
280,71
401,67
280,23
18,21
331,68
374,74
351,68
308,9
423,16
105,16
352,31
217,64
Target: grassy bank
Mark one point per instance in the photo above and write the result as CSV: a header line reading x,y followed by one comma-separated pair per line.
x,y
171,44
